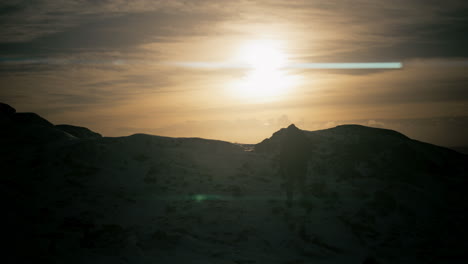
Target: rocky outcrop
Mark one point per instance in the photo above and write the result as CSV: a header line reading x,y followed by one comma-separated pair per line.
x,y
79,132
6,109
272,144
30,119
6,113
27,128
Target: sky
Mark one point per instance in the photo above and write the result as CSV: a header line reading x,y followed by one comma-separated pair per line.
x,y
238,70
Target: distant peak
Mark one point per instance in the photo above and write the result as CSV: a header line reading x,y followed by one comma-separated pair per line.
x,y
292,127
292,132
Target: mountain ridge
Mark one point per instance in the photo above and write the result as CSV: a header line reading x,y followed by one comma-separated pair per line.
x,y
370,194
9,116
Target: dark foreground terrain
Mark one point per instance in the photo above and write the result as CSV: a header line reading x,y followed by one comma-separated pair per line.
x,y
372,196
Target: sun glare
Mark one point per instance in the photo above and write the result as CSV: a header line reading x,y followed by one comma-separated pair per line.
x,y
266,77
262,55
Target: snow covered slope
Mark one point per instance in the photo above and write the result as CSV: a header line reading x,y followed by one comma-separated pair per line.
x,y
372,195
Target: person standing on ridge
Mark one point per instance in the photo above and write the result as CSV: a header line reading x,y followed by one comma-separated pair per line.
x,y
293,159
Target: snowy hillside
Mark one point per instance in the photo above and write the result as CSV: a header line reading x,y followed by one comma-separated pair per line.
x,y
373,196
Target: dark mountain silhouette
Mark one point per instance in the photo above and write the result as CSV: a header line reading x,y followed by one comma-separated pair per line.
x,y
371,196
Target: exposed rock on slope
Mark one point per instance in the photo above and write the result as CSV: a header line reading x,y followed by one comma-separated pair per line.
x,y
79,132
373,194
30,119
26,128
6,113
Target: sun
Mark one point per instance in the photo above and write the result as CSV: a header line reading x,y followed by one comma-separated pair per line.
x,y
266,77
262,55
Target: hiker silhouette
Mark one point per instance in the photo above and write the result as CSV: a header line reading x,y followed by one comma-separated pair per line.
x,y
293,159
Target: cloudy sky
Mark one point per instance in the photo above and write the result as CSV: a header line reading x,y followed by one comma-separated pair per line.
x,y
237,70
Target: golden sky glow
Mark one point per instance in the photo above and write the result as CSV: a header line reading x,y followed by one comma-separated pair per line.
x,y
121,68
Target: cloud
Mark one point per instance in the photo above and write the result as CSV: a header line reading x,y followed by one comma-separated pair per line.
x,y
118,33
24,21
366,30
332,31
